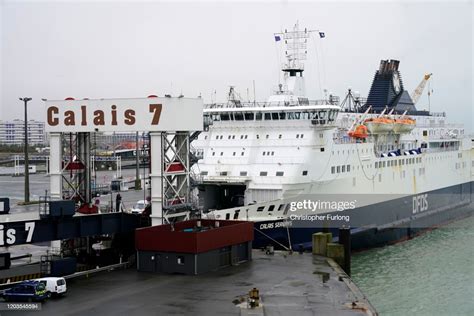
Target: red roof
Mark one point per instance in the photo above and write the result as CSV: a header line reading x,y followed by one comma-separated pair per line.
x,y
187,239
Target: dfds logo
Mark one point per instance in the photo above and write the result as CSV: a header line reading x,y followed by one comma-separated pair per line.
x,y
420,203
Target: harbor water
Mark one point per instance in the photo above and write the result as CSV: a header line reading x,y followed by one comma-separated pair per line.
x,y
432,274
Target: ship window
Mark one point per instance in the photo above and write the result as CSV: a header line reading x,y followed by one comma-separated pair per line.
x,y
217,136
242,153
297,115
249,116
246,136
223,173
302,135
238,116
243,173
260,208
225,117
348,168
279,173
222,153
343,169
229,137
380,177
180,260
280,207
383,164
279,136
236,214
258,136
275,116
227,216
322,149
273,153
213,153
233,154
263,173
338,169
394,162
268,116
267,137
233,136
305,172
258,116
297,135
282,115
333,169
425,133
204,173
263,153
376,164
271,208
241,136
222,136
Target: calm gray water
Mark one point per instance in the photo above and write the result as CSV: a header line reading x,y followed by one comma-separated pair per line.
x,y
432,274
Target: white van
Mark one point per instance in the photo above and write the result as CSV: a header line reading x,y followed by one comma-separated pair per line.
x,y
56,286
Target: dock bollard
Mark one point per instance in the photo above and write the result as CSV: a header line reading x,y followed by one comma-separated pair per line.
x,y
345,240
320,241
336,252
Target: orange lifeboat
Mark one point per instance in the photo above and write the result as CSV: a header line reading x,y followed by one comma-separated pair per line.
x,y
379,125
404,125
359,132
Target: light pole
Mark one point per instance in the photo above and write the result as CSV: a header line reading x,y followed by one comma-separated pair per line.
x,y
27,167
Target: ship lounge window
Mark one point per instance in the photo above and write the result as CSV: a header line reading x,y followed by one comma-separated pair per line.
x,y
239,116
243,173
282,115
376,165
225,117
263,173
275,116
258,116
279,173
227,216
236,214
223,173
271,208
333,169
204,173
425,133
305,172
280,207
249,116
268,116
338,169
260,208
348,168
343,168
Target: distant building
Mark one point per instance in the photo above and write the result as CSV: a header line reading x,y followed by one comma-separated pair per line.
x,y
13,132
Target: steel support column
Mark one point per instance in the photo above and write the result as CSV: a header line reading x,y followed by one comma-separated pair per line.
x,y
55,166
156,176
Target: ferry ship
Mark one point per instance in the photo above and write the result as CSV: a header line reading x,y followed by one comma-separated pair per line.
x,y
296,166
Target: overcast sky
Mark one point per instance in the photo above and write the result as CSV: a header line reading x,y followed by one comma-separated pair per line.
x,y
125,49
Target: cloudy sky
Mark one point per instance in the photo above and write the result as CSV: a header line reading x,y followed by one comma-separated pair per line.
x,y
108,49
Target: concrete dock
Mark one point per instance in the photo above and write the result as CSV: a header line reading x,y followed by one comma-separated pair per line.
x,y
289,284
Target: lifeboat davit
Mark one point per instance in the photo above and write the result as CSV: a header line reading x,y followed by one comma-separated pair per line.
x,y
359,132
379,125
404,125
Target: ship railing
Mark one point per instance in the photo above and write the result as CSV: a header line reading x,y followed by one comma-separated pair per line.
x,y
243,105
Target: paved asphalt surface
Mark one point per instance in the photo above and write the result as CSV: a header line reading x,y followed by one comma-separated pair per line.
x,y
288,286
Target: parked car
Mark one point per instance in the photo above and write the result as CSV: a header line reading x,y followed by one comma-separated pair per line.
x,y
139,207
27,291
55,286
